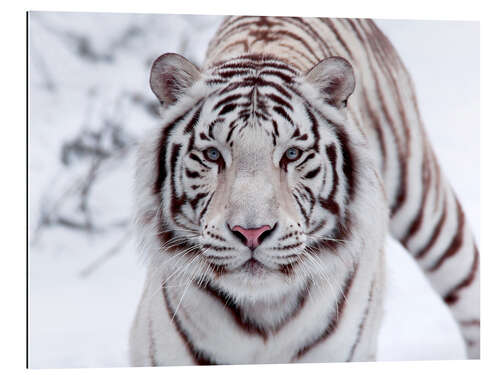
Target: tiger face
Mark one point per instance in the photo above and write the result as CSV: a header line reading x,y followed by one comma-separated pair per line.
x,y
255,170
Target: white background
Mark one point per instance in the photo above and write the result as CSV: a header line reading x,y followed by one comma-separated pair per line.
x,y
80,318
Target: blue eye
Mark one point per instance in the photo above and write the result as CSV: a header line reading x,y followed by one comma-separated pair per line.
x,y
212,154
292,153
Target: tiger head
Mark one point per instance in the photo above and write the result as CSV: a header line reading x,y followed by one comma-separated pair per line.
x,y
252,182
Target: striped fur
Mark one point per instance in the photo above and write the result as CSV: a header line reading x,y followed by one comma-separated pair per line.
x,y
312,291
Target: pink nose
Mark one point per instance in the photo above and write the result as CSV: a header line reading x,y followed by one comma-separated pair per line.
x,y
251,235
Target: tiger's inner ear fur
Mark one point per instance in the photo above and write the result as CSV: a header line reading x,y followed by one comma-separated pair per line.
x,y
171,75
334,77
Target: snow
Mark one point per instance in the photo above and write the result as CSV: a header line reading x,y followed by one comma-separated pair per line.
x,y
89,103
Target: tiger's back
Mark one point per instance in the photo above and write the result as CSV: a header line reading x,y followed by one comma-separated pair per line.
x,y
423,212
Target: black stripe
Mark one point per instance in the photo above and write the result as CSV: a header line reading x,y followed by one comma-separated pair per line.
x,y
212,125
162,152
227,108
333,29
435,234
194,202
317,228
191,174
452,296
226,100
336,316
275,126
303,55
313,173
198,356
198,160
174,155
456,242
312,33
302,210
314,127
329,203
194,120
278,100
230,304
152,344
230,133
307,158
227,33
280,111
363,322
284,77
301,41
234,72
417,221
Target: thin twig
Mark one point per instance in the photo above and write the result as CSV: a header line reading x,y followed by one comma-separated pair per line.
x,y
94,265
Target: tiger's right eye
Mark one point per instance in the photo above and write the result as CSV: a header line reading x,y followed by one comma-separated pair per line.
x,y
292,153
212,154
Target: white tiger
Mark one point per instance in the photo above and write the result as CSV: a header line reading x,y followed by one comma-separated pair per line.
x,y
264,200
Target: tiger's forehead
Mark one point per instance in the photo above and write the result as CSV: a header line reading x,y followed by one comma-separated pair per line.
x,y
256,65
252,92
250,82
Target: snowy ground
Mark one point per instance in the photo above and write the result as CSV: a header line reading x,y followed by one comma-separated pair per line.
x,y
90,102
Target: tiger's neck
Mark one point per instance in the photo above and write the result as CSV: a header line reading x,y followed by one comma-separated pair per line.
x,y
289,329
260,318
269,313
260,315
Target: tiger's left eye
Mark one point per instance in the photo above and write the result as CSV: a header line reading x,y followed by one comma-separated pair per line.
x,y
292,153
212,154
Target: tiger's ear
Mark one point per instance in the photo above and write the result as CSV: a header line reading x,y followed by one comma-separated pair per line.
x,y
334,77
171,75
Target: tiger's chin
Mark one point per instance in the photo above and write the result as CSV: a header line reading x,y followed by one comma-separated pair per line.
x,y
254,281
254,268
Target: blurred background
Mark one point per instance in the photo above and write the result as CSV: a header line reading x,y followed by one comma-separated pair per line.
x,y
90,103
